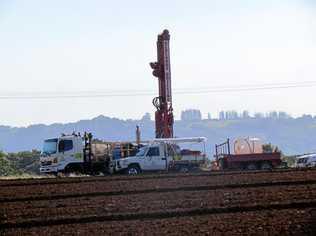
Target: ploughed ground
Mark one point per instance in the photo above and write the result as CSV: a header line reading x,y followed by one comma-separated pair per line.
x,y
277,202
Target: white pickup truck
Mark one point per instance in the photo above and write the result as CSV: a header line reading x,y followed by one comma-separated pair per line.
x,y
308,160
163,154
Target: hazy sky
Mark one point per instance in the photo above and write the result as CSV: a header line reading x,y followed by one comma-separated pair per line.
x,y
66,47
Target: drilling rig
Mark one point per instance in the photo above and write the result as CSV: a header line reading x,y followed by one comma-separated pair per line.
x,y
163,103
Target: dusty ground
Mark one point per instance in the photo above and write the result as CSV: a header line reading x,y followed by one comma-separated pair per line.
x,y
264,203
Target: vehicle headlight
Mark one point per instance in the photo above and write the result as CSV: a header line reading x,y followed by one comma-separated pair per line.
x,y
55,160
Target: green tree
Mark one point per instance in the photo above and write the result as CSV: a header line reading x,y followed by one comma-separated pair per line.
x,y
26,161
5,166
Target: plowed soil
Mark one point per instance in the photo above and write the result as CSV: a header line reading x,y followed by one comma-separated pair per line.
x,y
264,203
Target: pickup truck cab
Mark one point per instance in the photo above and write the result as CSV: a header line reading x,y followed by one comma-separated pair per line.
x,y
162,154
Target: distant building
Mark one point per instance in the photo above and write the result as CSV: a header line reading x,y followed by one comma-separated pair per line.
x,y
259,115
221,115
306,117
283,115
231,115
272,115
146,117
209,117
245,115
278,115
191,115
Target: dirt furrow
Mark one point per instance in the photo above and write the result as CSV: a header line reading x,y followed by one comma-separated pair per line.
x,y
163,215
140,203
143,184
88,179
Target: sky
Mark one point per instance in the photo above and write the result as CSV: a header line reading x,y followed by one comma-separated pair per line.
x,y
91,47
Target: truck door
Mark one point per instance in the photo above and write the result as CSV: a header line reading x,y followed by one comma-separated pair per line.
x,y
66,150
156,159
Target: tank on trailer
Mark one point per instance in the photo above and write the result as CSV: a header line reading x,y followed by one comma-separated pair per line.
x,y
252,159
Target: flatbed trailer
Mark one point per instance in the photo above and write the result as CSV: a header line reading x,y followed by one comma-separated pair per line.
x,y
225,160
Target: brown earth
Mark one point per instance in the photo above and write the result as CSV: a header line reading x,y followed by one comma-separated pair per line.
x,y
274,203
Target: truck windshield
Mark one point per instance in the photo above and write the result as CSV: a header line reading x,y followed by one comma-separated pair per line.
x,y
142,151
50,146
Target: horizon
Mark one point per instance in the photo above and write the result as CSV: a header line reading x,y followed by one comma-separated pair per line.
x,y
203,118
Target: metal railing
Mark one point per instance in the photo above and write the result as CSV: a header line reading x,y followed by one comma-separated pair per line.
x,y
222,149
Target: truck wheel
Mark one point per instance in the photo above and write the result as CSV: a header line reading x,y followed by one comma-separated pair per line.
x,y
251,166
133,170
184,169
266,166
76,169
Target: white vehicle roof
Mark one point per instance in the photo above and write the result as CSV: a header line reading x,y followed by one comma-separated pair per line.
x,y
307,156
180,140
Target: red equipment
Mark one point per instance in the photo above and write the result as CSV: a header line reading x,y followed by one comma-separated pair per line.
x,y
252,161
163,103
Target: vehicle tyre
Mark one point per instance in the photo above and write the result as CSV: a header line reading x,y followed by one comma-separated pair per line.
x,y
184,169
251,166
54,174
78,170
60,174
265,166
133,170
73,169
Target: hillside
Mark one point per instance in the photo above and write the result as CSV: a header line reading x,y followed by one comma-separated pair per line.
x,y
293,136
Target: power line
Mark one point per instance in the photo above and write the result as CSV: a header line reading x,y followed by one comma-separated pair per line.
x,y
137,93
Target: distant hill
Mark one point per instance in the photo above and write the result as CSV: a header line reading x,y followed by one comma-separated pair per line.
x,y
292,136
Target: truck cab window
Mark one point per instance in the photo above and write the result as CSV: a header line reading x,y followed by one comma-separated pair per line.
x,y
141,152
65,145
153,151
50,146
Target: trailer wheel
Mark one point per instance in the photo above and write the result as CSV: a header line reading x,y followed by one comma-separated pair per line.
x,y
266,166
251,166
133,170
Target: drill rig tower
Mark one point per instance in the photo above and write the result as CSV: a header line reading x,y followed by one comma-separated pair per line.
x,y
163,103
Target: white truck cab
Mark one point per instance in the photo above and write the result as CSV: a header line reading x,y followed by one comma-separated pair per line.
x,y
306,161
161,154
58,153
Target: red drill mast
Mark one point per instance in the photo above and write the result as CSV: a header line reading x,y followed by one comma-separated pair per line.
x,y
163,103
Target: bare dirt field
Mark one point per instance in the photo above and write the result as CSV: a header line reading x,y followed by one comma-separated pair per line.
x,y
280,202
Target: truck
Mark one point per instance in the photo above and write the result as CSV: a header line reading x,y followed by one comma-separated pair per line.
x,y
82,154
262,159
163,154
308,160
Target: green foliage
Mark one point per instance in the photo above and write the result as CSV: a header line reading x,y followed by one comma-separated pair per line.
x,y
19,163
290,160
6,167
267,148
